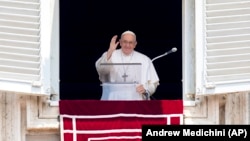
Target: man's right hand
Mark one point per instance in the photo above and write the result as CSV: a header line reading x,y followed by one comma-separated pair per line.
x,y
113,45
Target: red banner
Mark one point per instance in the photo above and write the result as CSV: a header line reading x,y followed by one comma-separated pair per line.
x,y
94,120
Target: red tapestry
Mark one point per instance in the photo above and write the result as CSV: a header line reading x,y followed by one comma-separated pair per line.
x,y
94,120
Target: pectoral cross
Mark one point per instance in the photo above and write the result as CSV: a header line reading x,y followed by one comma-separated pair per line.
x,y
124,77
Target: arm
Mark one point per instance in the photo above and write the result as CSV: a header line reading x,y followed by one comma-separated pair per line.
x,y
152,87
149,89
152,81
103,72
113,45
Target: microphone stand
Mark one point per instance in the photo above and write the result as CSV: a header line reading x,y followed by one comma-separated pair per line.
x,y
171,51
159,56
174,49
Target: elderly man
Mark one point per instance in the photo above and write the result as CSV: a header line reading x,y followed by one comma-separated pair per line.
x,y
148,78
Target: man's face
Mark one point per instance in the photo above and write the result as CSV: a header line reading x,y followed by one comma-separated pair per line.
x,y
127,43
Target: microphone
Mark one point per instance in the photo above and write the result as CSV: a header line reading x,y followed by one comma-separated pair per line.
x,y
174,49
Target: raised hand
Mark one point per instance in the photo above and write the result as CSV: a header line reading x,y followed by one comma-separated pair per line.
x,y
113,45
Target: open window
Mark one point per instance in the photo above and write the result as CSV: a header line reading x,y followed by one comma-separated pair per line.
x,y
216,47
29,44
222,50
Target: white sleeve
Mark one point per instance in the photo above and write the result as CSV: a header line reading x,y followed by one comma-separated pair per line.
x,y
102,71
151,88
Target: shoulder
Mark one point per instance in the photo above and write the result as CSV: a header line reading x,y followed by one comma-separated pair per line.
x,y
141,55
117,51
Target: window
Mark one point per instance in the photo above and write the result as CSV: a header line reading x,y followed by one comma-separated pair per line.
x,y
29,44
222,50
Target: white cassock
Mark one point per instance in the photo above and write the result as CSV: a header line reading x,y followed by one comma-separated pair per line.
x,y
119,81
